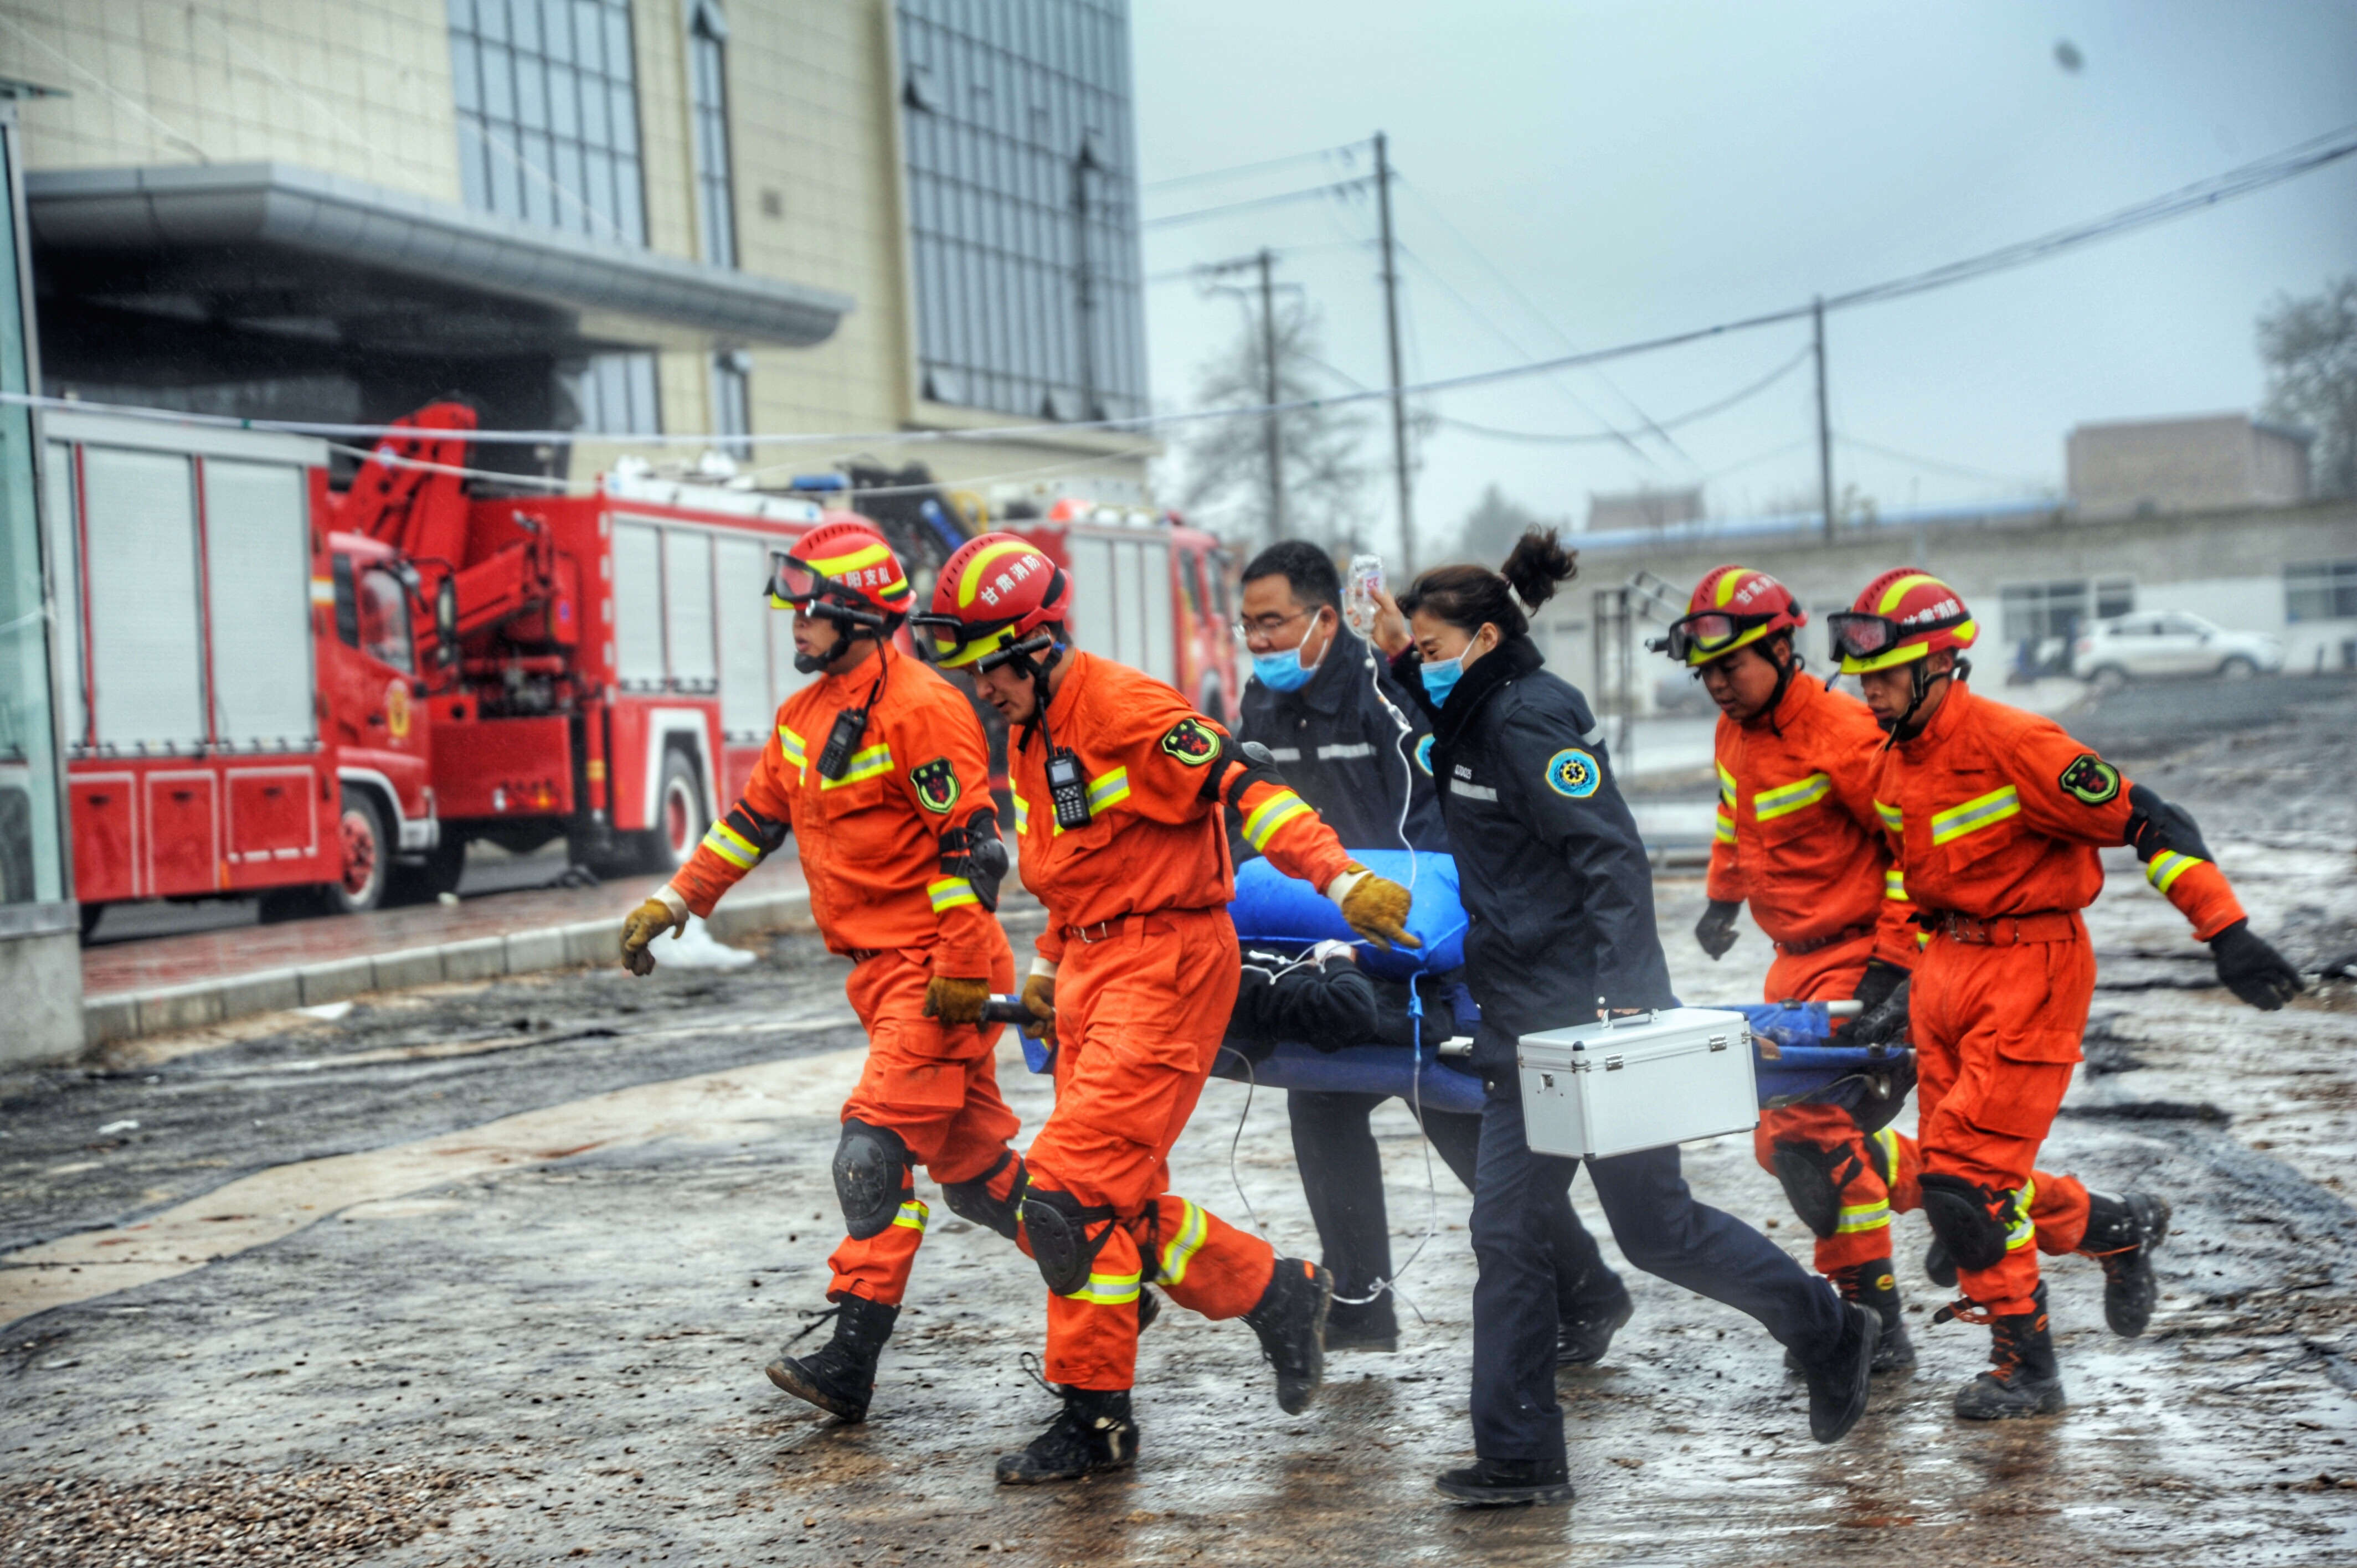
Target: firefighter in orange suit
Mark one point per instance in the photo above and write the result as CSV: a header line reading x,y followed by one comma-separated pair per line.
x,y
1998,815
1796,837
879,768
1119,786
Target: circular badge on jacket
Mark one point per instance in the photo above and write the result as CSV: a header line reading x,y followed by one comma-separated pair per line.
x,y
1572,772
1424,756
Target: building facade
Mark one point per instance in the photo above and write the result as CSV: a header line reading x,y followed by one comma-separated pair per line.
x,y
604,217
2203,463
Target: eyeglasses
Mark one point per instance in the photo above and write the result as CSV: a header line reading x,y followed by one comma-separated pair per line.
x,y
1268,626
1710,632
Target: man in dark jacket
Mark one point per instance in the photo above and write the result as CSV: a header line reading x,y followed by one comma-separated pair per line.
x,y
1357,748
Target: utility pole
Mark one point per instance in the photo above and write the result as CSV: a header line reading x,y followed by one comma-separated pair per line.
x,y
1390,320
1268,388
1824,426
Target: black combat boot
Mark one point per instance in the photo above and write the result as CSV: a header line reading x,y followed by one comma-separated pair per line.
x,y
1840,1375
2022,1379
1588,1326
1876,1287
841,1377
1093,1433
1490,1483
2122,1234
1290,1318
1363,1325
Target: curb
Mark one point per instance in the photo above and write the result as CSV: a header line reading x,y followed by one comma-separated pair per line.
x,y
130,1014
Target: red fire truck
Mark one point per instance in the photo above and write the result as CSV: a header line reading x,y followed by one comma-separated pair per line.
x,y
321,697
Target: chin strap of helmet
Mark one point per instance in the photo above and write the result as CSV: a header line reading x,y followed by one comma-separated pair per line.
x,y
1786,667
1032,659
850,623
1919,688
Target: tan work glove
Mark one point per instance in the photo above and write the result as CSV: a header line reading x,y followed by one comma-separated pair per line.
x,y
643,925
956,1000
1040,1001
1375,908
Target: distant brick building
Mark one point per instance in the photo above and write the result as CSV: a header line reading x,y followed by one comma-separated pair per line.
x,y
1643,508
2200,464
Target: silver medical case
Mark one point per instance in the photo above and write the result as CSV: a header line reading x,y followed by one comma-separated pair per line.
x,y
1638,1082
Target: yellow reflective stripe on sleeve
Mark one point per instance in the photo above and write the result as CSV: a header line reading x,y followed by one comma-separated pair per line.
x,y
1272,814
790,745
1179,1251
1725,785
729,846
1888,1142
2167,867
1891,820
913,1215
1857,1217
1022,816
1786,799
1107,1290
1108,789
1894,885
865,763
1982,811
949,893
2024,1231
1722,827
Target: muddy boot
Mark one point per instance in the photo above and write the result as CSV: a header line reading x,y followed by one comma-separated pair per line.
x,y
1840,1375
841,1377
1363,1325
1938,1267
1588,1327
2122,1234
1093,1433
1875,1287
1290,1318
1491,1483
2022,1379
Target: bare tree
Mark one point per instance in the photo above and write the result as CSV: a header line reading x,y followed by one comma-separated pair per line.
x,y
1490,529
2310,347
1321,450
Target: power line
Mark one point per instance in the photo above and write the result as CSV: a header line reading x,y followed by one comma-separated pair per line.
x,y
1234,169
1675,421
2306,158
1250,203
1936,464
1175,274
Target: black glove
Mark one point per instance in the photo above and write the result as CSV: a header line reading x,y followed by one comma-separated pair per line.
x,y
1716,929
1886,1021
1874,987
2253,970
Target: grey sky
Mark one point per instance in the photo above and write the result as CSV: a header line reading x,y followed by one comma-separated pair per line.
x,y
1635,168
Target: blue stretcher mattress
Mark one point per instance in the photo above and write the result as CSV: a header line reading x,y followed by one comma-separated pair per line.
x,y
1271,908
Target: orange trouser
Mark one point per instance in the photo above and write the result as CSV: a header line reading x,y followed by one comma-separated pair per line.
x,y
937,1087
1139,1017
1856,1159
1996,1032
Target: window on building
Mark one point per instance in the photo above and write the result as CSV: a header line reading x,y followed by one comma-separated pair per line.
x,y
716,202
614,395
2320,590
548,113
2114,597
2036,611
1023,205
732,401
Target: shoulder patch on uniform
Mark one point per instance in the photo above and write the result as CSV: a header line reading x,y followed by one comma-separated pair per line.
x,y
1572,772
1424,755
1193,742
936,783
2091,781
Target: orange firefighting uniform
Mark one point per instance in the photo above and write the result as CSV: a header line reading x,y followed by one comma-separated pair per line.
x,y
871,855
1796,837
1998,815
1146,972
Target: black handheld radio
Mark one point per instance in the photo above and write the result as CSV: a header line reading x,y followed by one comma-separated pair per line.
x,y
1067,789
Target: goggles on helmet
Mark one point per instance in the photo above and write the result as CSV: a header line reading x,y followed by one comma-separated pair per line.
x,y
793,585
1859,635
1713,631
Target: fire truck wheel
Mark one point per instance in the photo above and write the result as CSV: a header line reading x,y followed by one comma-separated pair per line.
x,y
367,857
679,819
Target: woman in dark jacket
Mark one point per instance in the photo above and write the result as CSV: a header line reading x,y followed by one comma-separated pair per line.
x,y
1561,901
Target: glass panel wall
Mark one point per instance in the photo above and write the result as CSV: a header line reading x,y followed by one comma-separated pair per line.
x,y
548,113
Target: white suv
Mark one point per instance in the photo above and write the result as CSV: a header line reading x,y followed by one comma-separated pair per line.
x,y
2169,642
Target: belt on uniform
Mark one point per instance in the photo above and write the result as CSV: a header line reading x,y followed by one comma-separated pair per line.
x,y
1846,934
861,955
1096,933
2002,930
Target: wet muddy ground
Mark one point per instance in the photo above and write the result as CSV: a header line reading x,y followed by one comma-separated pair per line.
x,y
487,1274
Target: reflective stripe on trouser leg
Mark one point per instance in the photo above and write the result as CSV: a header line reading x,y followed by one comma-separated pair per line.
x,y
878,1268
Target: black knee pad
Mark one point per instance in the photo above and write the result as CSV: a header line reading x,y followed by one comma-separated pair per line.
x,y
1058,1224
1960,1217
972,1199
1812,1180
871,1171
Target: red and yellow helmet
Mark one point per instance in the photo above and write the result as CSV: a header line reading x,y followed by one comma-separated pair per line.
x,y
1731,608
1902,615
840,565
997,592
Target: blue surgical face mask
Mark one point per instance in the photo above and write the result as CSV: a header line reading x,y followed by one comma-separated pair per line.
x,y
1440,676
1284,670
